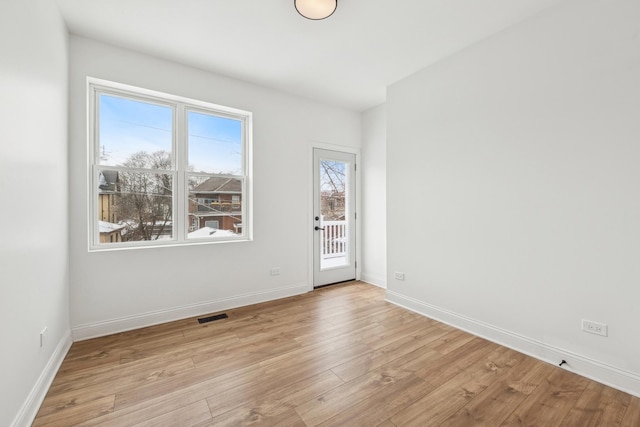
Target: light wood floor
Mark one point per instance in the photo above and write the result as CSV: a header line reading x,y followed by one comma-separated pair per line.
x,y
338,356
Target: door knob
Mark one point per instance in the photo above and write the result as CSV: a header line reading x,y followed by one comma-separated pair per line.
x,y
318,228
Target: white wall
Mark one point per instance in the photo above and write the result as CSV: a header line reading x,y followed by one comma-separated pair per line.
x,y
513,177
33,193
126,289
373,216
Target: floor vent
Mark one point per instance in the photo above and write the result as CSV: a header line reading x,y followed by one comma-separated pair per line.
x,y
212,318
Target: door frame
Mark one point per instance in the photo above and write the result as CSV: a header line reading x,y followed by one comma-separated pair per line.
x,y
311,223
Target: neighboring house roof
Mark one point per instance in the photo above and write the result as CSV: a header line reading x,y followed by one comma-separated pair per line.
x,y
109,227
218,184
107,181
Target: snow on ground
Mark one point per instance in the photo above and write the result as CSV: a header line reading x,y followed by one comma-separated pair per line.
x,y
210,232
108,227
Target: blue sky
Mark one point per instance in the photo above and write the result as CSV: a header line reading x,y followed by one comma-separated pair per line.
x,y
128,126
214,143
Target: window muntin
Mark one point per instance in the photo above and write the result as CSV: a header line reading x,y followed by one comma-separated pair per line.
x,y
166,167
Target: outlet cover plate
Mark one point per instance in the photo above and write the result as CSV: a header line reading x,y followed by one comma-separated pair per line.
x,y
595,327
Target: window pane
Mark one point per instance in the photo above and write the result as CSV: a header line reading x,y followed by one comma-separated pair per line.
x,y
333,180
134,206
333,196
215,144
215,207
134,133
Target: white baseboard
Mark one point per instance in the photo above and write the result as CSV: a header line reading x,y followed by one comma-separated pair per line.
x,y
620,379
113,326
372,279
31,406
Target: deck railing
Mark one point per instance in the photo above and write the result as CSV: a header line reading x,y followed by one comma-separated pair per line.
x,y
220,207
335,240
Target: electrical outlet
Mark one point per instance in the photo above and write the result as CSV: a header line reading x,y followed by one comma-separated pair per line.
x,y
594,327
275,271
42,334
399,275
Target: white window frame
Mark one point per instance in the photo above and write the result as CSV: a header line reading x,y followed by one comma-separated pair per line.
x,y
179,167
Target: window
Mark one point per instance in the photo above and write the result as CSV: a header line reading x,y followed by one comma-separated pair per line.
x,y
212,224
164,165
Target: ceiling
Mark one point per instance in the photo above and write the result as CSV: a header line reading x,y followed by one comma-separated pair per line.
x,y
347,60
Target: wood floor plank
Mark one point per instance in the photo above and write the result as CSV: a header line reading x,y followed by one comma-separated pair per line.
x,y
446,366
313,359
353,392
497,402
277,378
597,406
310,334
187,416
337,356
381,356
171,399
81,349
451,341
153,360
550,402
377,408
212,376
445,400
76,414
277,405
251,350
256,419
168,346
97,358
162,354
390,334
632,414
117,384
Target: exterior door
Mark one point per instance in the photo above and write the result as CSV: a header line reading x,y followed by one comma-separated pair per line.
x,y
334,234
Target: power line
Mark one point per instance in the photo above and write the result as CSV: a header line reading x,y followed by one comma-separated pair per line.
x,y
228,141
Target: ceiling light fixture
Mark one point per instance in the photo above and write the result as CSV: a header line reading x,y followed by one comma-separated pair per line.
x,y
316,9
